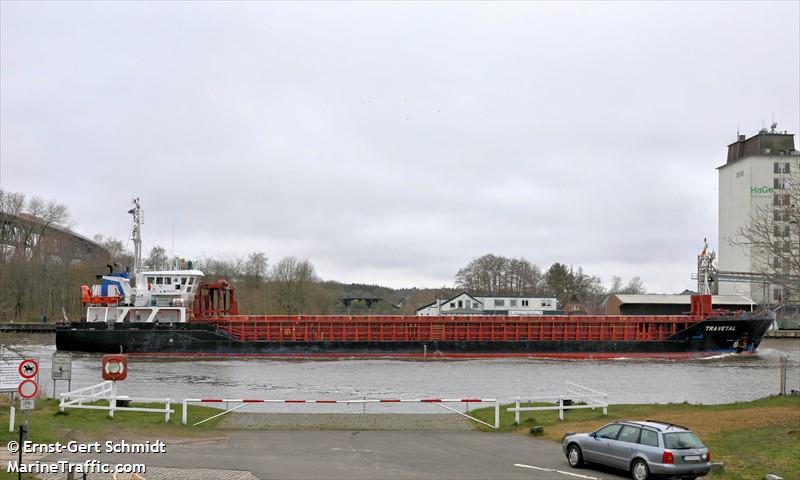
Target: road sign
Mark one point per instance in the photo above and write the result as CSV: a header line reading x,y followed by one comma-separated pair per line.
x,y
115,367
62,366
9,375
26,404
28,368
28,389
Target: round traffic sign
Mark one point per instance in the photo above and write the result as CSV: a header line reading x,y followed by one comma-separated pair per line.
x,y
115,367
28,368
28,389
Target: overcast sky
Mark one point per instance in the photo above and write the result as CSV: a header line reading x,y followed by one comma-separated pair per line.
x,y
392,143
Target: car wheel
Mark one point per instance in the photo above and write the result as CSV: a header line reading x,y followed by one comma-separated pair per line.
x,y
575,456
639,470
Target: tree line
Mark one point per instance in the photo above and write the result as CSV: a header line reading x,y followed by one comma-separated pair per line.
x,y
40,273
497,275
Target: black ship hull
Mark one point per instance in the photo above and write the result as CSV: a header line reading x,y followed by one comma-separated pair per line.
x,y
714,334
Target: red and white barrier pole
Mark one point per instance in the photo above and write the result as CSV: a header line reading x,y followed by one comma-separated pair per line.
x,y
246,401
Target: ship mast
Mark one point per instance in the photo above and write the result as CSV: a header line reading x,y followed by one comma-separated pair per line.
x,y
705,270
136,236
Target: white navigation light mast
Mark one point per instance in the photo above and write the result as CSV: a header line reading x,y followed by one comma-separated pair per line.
x,y
136,236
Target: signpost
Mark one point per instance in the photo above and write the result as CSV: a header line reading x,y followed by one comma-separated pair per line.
x,y
28,388
9,374
62,369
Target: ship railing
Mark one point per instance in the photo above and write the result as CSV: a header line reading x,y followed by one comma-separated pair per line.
x,y
441,402
107,391
584,396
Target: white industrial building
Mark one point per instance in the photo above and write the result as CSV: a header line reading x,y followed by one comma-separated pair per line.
x,y
466,304
755,177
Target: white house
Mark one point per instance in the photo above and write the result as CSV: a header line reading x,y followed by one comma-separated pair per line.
x,y
466,304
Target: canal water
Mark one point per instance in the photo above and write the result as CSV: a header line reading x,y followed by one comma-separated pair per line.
x,y
715,379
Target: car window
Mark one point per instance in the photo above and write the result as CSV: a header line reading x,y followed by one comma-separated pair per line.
x,y
609,431
649,437
629,434
682,440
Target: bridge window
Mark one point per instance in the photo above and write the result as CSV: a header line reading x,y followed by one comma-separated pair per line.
x,y
159,280
191,281
183,280
524,303
167,280
513,303
499,302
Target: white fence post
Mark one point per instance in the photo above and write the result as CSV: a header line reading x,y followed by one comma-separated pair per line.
x,y
11,420
184,413
167,414
497,414
112,400
516,412
560,407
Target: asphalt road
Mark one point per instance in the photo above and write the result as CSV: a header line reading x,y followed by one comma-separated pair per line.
x,y
369,455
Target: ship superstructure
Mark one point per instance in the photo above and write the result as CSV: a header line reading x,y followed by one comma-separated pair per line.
x,y
154,295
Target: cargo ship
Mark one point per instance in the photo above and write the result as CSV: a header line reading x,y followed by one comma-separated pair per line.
x,y
176,313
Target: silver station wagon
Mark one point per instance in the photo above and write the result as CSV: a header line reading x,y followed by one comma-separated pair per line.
x,y
645,449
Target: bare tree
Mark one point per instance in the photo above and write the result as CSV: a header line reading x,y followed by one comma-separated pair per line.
x,y
255,269
157,260
292,281
634,286
36,268
492,274
616,285
116,249
771,237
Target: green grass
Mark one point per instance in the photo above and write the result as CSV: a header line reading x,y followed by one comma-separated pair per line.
x,y
750,438
753,452
46,424
530,419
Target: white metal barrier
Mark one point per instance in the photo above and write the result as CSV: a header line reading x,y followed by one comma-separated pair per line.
x,y
108,391
593,399
436,401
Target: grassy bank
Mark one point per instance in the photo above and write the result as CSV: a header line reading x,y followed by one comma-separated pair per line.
x,y
750,438
47,425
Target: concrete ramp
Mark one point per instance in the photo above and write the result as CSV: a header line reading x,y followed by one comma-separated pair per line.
x,y
345,421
